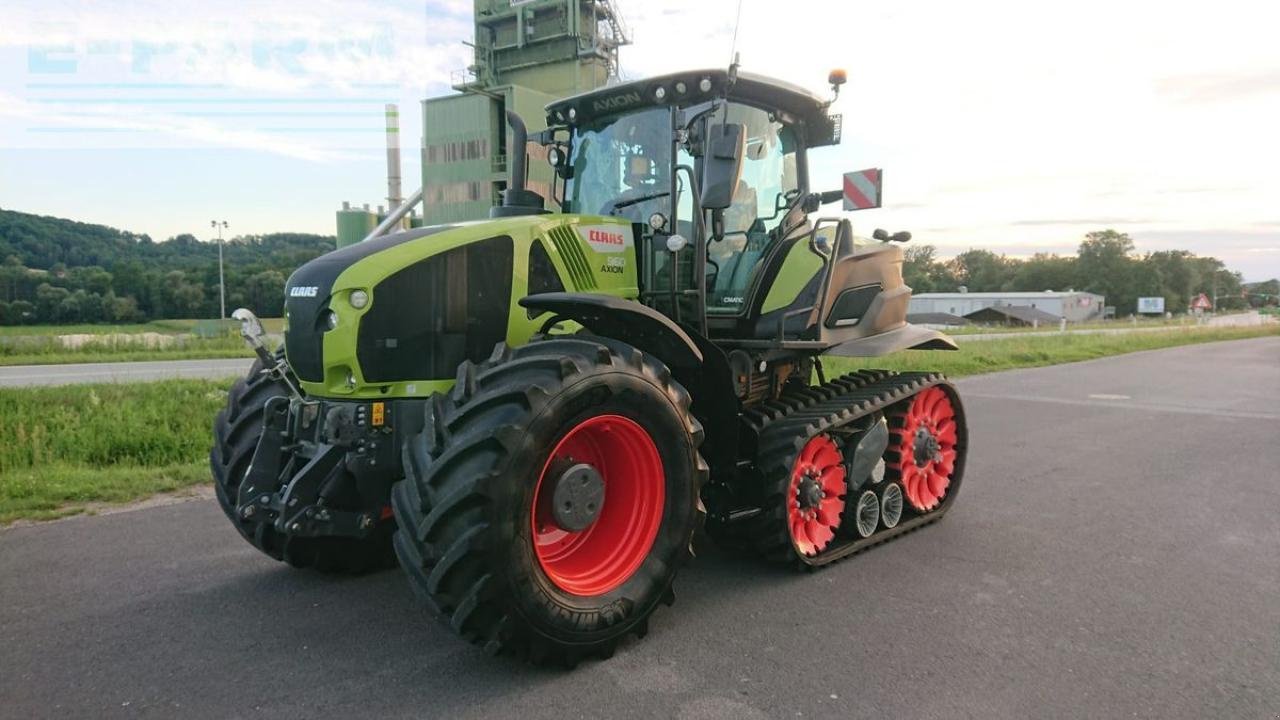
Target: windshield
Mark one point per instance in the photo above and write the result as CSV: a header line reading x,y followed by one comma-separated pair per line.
x,y
769,181
622,165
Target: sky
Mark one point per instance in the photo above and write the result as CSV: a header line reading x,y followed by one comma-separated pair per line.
x,y
1011,126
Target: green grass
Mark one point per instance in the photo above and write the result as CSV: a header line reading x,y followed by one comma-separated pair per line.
x,y
36,350
1113,324
68,447
1022,350
40,344
65,447
167,327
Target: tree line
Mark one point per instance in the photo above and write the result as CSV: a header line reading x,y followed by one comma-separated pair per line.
x,y
1105,263
54,270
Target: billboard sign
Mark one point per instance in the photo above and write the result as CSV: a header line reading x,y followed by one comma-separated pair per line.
x,y
1150,305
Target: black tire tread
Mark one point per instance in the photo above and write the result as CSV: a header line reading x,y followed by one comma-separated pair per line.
x,y
450,477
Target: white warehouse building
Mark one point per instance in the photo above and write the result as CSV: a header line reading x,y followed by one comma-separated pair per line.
x,y
1073,305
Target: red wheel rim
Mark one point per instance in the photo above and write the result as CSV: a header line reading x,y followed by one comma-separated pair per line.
x,y
816,495
925,479
607,553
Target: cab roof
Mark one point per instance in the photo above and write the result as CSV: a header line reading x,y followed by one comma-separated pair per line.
x,y
662,90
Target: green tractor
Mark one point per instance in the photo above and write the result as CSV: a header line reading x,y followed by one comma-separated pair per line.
x,y
536,412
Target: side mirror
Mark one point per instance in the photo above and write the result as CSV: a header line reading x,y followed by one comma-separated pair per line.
x,y
722,165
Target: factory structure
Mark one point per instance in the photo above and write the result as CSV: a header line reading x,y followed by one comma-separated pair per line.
x,y
1008,308
527,53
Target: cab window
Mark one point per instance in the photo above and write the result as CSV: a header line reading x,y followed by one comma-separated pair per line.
x,y
769,180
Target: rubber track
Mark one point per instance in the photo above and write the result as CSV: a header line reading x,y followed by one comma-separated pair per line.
x,y
783,426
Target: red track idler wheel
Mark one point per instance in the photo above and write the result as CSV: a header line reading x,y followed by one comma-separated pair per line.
x,y
815,498
598,505
926,445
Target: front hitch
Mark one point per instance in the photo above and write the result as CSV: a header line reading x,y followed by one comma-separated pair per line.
x,y
286,490
252,332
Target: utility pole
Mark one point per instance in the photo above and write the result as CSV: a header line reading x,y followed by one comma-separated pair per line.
x,y
222,286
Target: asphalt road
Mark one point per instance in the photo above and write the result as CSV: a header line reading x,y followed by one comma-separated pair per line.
x,y
18,375
1114,553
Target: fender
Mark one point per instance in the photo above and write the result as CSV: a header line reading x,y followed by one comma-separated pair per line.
x,y
905,337
695,361
626,320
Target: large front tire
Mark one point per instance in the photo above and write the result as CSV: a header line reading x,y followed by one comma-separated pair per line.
x,y
477,538
235,438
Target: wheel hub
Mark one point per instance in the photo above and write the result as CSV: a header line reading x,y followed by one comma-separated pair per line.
x,y
926,448
577,495
809,494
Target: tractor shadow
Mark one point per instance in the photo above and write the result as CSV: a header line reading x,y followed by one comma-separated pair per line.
x,y
295,640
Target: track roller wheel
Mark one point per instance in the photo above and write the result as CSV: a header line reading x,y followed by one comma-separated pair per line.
x,y
866,513
922,452
551,498
891,505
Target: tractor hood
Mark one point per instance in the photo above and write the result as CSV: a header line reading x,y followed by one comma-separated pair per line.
x,y
396,315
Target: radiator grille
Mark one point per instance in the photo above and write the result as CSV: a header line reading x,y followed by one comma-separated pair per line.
x,y
570,249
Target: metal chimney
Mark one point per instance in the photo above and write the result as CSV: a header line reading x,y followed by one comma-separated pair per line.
x,y
394,197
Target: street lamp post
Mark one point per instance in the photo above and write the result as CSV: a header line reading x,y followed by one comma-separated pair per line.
x,y
222,286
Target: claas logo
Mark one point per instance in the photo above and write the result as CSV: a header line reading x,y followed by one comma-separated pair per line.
x,y
607,238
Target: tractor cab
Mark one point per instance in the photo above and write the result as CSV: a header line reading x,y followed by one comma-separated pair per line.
x,y
711,168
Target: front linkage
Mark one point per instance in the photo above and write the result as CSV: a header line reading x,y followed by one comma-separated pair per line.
x,y
321,468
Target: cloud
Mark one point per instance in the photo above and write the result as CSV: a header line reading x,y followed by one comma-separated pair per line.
x,y
285,77
1086,221
1220,87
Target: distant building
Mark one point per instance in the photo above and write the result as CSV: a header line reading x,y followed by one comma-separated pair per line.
x,y
937,321
1073,305
1019,315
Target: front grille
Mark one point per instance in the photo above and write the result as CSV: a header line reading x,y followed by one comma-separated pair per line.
x,y
429,317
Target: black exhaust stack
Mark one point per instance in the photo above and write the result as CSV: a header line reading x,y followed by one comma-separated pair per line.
x,y
516,200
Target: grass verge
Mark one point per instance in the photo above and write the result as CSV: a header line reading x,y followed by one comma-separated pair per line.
x,y
70,447
66,447
170,327
197,352
1022,350
158,340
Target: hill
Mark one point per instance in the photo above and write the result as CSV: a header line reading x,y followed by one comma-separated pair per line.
x,y
54,270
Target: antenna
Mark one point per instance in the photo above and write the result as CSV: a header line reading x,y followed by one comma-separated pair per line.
x,y
733,51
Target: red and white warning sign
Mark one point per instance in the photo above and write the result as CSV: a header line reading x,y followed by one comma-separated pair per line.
x,y
1201,302
862,189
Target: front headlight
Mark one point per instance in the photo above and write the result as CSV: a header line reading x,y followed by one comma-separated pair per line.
x,y
329,319
358,299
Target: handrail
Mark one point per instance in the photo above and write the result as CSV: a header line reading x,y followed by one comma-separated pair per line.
x,y
396,216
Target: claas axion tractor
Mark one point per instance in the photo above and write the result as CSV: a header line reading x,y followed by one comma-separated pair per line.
x,y
535,412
